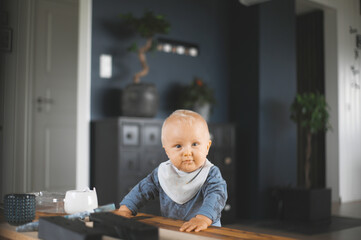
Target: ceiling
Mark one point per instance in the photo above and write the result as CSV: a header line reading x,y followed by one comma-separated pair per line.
x,y
306,6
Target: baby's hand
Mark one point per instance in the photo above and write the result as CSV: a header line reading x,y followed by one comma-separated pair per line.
x,y
197,224
124,211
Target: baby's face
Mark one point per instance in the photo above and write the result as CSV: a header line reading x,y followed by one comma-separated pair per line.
x,y
186,145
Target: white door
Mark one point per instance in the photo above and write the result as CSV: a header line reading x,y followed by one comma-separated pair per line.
x,y
54,95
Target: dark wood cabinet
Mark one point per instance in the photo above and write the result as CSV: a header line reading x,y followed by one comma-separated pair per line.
x,y
125,150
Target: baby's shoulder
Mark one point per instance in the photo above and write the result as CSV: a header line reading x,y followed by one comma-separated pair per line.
x,y
155,172
214,169
214,172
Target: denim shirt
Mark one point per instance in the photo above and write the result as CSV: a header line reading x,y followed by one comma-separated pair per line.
x,y
209,201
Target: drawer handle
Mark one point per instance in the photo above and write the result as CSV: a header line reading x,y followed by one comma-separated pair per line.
x,y
228,160
152,137
227,207
129,136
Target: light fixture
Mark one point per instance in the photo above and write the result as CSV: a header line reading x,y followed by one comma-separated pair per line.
x,y
167,47
193,52
105,66
180,50
177,47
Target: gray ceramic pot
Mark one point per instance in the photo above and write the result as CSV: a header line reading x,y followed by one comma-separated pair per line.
x,y
139,100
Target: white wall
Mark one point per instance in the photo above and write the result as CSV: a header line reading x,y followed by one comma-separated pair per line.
x,y
349,104
348,120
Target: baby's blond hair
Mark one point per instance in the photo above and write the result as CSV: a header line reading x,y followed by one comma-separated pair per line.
x,y
186,117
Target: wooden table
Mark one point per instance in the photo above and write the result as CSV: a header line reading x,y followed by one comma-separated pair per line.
x,y
168,229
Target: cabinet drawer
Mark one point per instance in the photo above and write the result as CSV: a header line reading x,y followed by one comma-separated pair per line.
x,y
129,164
152,135
130,134
150,160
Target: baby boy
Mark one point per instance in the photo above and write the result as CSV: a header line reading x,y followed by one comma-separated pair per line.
x,y
189,187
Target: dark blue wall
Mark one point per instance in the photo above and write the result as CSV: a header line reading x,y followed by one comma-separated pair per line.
x,y
244,99
203,22
262,89
278,87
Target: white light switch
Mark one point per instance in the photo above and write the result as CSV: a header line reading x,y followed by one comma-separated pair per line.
x,y
105,66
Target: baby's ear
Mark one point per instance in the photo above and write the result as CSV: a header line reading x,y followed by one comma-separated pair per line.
x,y
209,145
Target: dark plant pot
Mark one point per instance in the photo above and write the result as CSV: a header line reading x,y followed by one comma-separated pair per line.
x,y
306,205
139,100
19,208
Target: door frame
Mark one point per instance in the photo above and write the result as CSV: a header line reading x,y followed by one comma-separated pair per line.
x,y
83,95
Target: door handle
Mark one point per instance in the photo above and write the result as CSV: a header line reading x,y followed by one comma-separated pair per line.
x,y
41,100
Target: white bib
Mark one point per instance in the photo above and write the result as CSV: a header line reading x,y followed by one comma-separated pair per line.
x,y
182,186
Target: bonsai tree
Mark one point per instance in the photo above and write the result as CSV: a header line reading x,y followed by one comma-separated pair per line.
x,y
310,111
147,26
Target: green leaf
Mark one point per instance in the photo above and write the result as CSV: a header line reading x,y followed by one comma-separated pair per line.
x,y
148,25
196,92
310,111
133,48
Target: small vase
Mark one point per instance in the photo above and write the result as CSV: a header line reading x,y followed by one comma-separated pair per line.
x,y
203,109
19,208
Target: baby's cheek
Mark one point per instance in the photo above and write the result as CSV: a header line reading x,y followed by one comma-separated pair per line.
x,y
204,152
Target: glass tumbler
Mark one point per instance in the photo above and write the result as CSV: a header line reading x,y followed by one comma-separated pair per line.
x,y
19,208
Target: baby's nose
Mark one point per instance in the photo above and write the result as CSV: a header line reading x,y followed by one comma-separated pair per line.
x,y
187,151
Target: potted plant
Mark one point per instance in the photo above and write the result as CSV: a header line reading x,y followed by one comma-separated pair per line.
x,y
311,112
141,99
198,96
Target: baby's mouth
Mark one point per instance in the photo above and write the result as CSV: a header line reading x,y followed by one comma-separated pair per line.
x,y
187,160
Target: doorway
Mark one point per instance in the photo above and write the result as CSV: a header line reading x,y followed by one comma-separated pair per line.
x,y
22,102
54,94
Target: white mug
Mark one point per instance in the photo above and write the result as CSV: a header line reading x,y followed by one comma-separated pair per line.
x,y
80,201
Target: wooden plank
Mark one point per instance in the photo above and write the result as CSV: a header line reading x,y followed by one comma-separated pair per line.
x,y
168,229
177,235
211,232
45,214
8,231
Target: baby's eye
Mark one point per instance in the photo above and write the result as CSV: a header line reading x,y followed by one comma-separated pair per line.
x,y
195,144
178,146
